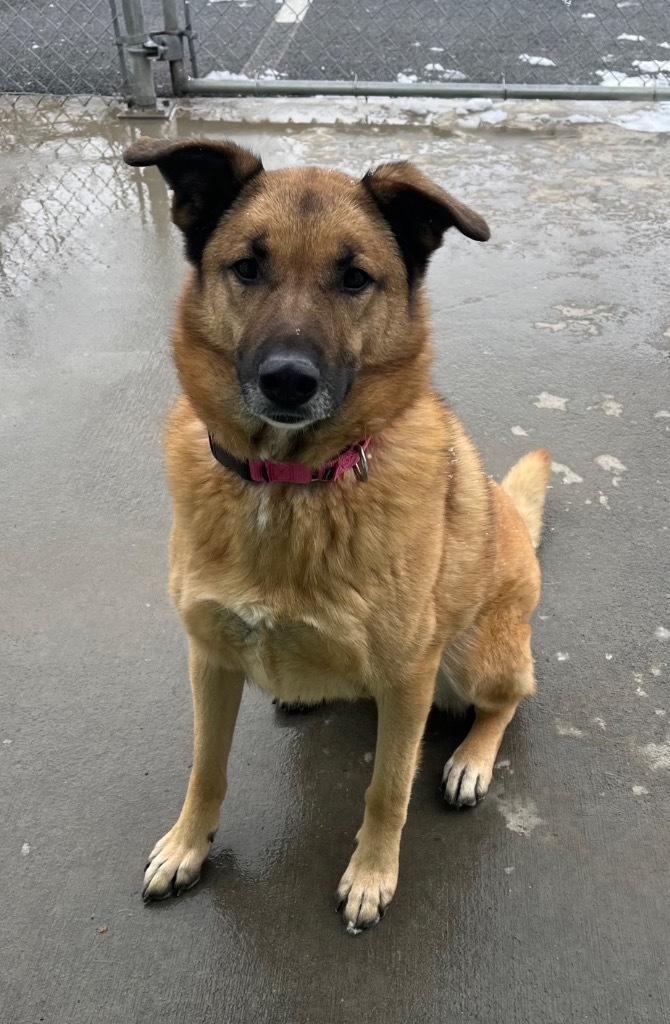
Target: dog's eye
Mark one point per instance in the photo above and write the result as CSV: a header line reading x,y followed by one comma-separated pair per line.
x,y
355,280
247,271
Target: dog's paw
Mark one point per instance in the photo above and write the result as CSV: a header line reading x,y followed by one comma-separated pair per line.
x,y
291,709
175,862
464,781
364,893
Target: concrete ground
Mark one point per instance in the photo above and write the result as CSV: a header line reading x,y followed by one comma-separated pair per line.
x,y
549,902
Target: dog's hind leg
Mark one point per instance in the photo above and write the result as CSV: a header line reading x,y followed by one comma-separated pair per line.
x,y
467,773
176,859
498,668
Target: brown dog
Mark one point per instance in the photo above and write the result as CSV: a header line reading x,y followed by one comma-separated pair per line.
x,y
303,350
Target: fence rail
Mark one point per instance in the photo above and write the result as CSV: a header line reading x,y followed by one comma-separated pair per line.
x,y
142,49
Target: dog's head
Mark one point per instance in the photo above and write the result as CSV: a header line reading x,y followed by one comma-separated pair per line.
x,y
305,287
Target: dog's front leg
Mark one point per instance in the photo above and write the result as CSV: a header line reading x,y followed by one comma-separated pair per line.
x,y
175,861
403,704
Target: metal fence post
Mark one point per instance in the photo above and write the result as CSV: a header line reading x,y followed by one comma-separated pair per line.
x,y
140,72
175,46
190,35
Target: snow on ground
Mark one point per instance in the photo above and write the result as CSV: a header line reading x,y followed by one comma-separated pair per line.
x,y
447,114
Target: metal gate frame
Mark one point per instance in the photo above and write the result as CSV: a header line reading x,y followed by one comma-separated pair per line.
x,y
138,48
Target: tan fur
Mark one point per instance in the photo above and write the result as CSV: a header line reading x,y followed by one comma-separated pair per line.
x,y
526,484
347,590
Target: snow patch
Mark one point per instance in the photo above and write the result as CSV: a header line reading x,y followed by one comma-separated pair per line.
x,y
292,12
583,119
493,116
226,76
609,406
268,75
542,62
614,78
545,400
469,122
657,755
541,325
580,311
446,74
656,120
520,815
651,67
568,730
519,432
569,476
610,464
479,103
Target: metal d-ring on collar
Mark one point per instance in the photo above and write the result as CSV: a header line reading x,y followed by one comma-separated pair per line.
x,y
361,467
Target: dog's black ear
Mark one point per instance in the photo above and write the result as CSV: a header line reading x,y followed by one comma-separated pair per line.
x,y
419,212
205,176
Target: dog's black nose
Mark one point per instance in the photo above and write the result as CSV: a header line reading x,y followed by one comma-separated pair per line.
x,y
288,379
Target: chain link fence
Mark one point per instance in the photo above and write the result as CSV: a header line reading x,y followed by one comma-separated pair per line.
x,y
90,46
45,208
59,47
531,42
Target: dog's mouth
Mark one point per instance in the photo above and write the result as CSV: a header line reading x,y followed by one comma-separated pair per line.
x,y
320,407
287,420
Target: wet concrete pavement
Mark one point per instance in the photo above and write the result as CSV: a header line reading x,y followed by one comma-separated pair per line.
x,y
546,903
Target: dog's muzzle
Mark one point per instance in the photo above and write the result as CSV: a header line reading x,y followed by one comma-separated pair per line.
x,y
290,385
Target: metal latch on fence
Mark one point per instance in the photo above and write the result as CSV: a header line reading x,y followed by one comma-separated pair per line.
x,y
138,47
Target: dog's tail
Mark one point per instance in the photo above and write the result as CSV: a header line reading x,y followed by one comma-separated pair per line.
x,y
526,485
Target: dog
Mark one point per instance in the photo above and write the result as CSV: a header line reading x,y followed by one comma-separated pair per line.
x,y
334,534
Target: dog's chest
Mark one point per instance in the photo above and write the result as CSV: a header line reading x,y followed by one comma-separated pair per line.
x,y
297,657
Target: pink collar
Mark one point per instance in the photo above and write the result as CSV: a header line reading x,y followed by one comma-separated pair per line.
x,y
260,471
